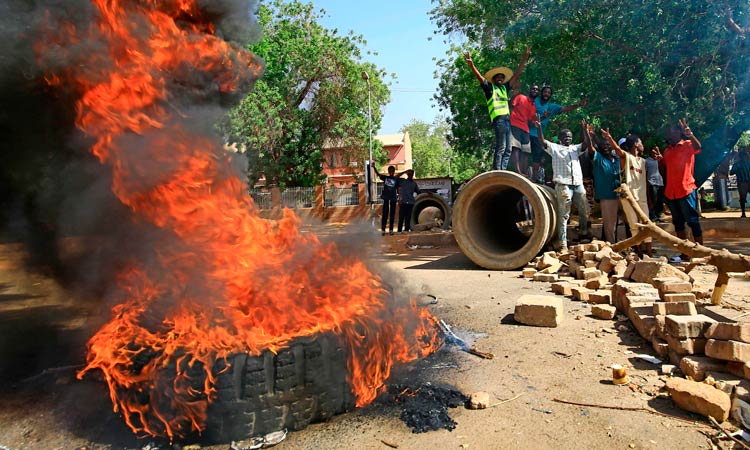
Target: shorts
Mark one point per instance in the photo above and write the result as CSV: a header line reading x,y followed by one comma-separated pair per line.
x,y
520,139
537,151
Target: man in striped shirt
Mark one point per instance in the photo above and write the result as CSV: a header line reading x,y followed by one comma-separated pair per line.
x,y
568,179
742,169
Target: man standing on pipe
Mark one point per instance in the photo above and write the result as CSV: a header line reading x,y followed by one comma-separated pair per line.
x,y
502,79
568,179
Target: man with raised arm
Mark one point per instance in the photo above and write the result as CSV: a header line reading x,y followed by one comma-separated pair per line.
x,y
680,189
496,84
568,178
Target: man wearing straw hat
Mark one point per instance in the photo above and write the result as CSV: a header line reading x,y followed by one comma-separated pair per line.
x,y
496,84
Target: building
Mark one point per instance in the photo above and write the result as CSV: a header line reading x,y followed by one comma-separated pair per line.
x,y
342,170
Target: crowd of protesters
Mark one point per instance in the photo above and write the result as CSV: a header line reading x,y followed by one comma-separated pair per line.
x,y
595,168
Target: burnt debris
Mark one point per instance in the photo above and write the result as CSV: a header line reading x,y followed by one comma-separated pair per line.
x,y
425,408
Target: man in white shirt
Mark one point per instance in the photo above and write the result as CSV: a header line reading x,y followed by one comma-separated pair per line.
x,y
568,179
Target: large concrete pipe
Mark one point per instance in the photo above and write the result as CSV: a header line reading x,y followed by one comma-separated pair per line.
x,y
501,220
427,200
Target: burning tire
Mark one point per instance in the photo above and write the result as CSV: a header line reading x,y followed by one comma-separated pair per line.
x,y
303,383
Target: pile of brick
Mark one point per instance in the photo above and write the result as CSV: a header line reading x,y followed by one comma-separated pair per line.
x,y
660,301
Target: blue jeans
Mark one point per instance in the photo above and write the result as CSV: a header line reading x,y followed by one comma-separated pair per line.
x,y
568,194
685,210
501,126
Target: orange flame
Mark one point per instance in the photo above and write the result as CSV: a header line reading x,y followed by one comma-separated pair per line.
x,y
236,283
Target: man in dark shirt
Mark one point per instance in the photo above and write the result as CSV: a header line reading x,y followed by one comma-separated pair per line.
x,y
496,84
389,196
407,191
741,168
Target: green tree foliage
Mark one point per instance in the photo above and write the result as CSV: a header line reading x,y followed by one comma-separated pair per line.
x,y
641,64
311,93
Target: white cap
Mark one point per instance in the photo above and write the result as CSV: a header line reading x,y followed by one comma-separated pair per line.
x,y
620,141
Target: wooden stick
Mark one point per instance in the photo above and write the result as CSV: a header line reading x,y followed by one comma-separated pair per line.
x,y
724,260
626,408
476,352
389,444
506,401
718,427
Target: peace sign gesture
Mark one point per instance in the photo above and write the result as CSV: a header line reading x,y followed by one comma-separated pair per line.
x,y
685,128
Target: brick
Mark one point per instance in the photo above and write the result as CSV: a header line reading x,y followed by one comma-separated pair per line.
x,y
637,300
578,248
591,272
675,309
545,277
646,271
675,287
684,297
736,368
643,321
688,346
724,381
696,367
688,326
606,312
591,247
658,282
539,310
728,350
629,270
562,288
699,398
589,256
726,331
606,264
554,268
742,391
597,283
590,264
601,297
620,269
674,358
660,347
581,293
528,272
547,259
604,252
661,326
622,288
701,293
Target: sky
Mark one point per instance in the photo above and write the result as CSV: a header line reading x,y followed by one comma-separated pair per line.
x,y
398,30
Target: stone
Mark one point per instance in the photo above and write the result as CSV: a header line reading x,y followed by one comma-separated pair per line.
x,y
674,358
548,259
632,301
726,331
742,390
646,271
668,369
675,287
601,297
606,312
592,246
606,264
699,398
687,346
684,297
597,283
539,310
479,400
528,272
604,252
688,326
724,381
658,282
581,293
661,326
589,256
554,268
675,309
660,346
643,321
629,270
620,269
728,350
696,367
545,277
562,288
746,370
591,273
623,288
701,293
736,368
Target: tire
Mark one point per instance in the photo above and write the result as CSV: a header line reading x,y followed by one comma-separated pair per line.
x,y
303,383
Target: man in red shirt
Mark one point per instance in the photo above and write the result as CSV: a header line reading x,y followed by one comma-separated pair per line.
x,y
522,113
680,189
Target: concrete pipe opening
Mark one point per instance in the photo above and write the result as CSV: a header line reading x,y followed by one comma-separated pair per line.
x,y
501,220
430,200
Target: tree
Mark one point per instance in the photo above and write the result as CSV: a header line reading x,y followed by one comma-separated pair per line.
x,y
430,151
311,93
642,65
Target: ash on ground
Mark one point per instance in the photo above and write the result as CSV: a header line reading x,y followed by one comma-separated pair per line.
x,y
425,408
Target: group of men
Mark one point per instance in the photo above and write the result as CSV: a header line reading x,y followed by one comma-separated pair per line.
x,y
519,122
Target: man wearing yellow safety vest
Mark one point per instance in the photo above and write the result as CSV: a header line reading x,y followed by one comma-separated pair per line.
x,y
496,84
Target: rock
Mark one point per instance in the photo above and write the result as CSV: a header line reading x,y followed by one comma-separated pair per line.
x,y
545,277
606,312
581,293
479,400
623,288
646,271
621,268
675,309
528,272
667,369
643,321
728,350
675,287
562,288
726,331
539,310
554,268
724,381
699,398
687,346
606,264
548,259
661,347
597,283
659,282
742,391
688,326
696,367
590,273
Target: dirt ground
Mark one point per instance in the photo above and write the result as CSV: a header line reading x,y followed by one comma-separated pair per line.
x,y
531,368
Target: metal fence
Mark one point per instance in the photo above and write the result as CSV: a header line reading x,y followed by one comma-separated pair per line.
x,y
261,198
298,197
346,196
378,192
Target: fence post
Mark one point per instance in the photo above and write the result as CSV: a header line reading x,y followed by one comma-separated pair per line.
x,y
319,203
275,198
